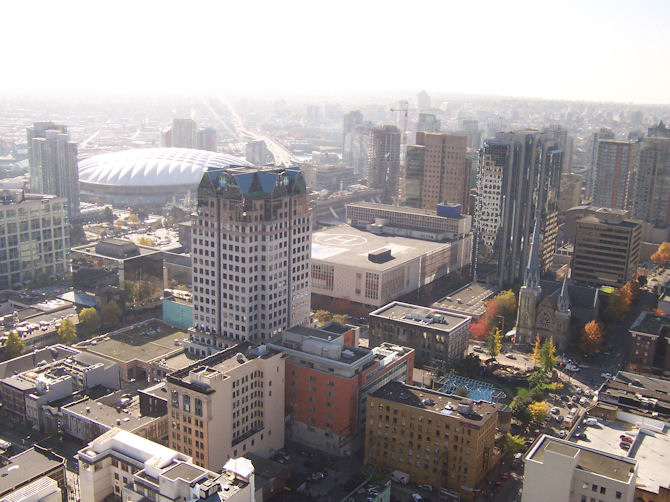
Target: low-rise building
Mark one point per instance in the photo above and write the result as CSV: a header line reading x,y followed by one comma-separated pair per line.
x,y
468,300
32,466
86,419
650,344
372,268
327,383
49,382
576,473
40,490
439,439
227,404
437,336
123,466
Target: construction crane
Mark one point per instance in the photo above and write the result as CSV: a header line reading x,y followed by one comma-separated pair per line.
x,y
403,150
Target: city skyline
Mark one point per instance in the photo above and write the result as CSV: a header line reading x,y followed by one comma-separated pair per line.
x,y
598,36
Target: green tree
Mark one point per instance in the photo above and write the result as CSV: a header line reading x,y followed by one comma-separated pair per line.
x,y
536,379
131,291
513,444
538,412
520,410
548,355
494,342
507,307
111,314
89,323
67,334
341,318
323,316
144,290
462,391
13,345
468,366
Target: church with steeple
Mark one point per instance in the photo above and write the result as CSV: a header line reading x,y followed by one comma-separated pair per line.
x,y
550,308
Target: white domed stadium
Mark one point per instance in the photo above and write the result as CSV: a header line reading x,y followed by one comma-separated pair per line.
x,y
147,176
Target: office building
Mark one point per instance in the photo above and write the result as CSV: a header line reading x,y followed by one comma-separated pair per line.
x,y
428,122
613,177
437,171
135,270
349,123
35,238
519,178
423,101
384,161
437,337
257,153
327,381
439,439
592,154
182,134
374,267
659,131
651,201
251,254
566,142
122,466
228,404
31,468
576,473
571,192
206,139
607,250
53,163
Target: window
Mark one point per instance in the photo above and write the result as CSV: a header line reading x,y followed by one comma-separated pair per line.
x,y
175,399
198,407
186,399
618,495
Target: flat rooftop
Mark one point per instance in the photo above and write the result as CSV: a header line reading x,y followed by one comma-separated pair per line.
x,y
590,460
26,466
421,316
144,342
346,245
405,210
437,402
649,448
470,299
187,472
127,418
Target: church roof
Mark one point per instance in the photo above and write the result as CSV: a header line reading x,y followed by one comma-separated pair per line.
x,y
581,298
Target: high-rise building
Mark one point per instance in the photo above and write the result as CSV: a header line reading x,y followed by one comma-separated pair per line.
x,y
358,144
206,139
613,176
228,404
36,234
659,131
349,123
251,254
53,163
428,122
182,134
651,200
257,152
423,101
592,154
566,142
607,250
438,171
384,161
571,191
519,178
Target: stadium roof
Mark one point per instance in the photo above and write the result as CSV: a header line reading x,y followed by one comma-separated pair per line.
x,y
153,166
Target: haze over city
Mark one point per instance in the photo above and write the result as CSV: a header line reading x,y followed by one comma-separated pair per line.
x,y
572,50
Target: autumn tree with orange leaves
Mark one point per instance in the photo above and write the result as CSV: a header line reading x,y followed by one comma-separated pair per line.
x,y
621,300
593,337
502,306
662,255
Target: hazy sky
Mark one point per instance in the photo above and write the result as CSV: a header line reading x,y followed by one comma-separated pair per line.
x,y
593,50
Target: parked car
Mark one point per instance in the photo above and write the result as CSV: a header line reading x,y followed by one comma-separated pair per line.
x,y
582,401
624,445
591,421
415,497
426,487
509,355
607,376
477,348
580,435
555,411
579,390
625,438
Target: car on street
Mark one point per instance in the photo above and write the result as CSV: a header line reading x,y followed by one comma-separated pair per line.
x,y
590,421
426,487
572,367
607,376
582,401
555,411
505,476
415,497
580,435
509,355
561,434
579,390
477,348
